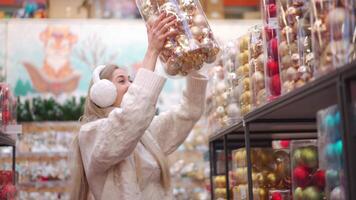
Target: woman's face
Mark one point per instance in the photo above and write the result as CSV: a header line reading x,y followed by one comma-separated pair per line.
x,y
122,82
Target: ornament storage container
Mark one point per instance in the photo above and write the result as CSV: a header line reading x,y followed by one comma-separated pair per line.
x,y
331,34
231,80
256,62
272,72
218,99
8,105
270,170
308,180
243,75
194,45
331,152
292,16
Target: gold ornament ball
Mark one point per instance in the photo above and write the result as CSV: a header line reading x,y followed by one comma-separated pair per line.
x,y
262,194
272,179
246,70
246,97
196,31
199,20
246,83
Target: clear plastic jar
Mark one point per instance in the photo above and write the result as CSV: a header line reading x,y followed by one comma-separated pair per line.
x,y
217,99
231,79
332,33
195,43
270,23
257,60
243,75
293,23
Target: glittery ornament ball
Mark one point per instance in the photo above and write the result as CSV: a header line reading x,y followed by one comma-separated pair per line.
x,y
312,193
298,194
330,153
276,196
270,33
332,177
329,120
338,146
272,67
273,48
297,157
318,179
337,118
272,10
275,86
310,157
301,176
338,193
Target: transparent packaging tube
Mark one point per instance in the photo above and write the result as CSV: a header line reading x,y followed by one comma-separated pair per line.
x,y
194,45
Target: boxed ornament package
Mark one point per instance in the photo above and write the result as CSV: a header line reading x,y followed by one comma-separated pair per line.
x,y
308,180
331,152
272,72
256,63
243,75
332,34
231,80
194,45
294,28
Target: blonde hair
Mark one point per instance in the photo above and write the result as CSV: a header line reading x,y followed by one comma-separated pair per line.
x,y
80,186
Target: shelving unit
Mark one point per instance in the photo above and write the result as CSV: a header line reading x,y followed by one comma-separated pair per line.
x,y
8,139
293,116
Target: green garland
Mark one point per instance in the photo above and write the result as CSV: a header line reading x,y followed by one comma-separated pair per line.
x,y
40,109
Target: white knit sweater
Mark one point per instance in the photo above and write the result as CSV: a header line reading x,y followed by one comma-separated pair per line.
x,y
107,145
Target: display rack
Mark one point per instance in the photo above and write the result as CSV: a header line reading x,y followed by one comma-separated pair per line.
x,y
293,116
8,139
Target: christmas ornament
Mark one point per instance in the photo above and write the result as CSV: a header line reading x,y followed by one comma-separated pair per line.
x,y
273,48
318,179
332,177
275,86
298,194
301,176
272,10
311,193
337,193
310,157
272,67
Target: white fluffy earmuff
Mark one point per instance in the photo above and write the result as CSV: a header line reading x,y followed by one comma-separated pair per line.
x,y
103,92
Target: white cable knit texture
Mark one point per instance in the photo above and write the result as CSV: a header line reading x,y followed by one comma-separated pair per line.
x,y
107,145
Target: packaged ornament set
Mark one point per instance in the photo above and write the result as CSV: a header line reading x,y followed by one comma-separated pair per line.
x,y
194,44
270,174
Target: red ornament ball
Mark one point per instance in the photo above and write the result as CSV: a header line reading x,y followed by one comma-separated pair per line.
x,y
273,48
272,10
270,33
285,144
273,68
8,192
276,196
275,86
319,179
301,176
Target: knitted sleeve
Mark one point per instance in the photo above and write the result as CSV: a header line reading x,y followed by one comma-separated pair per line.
x,y
171,128
108,141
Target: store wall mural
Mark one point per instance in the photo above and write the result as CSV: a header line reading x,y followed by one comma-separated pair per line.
x,y
57,57
54,58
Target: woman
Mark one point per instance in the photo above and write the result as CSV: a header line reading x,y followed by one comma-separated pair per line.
x,y
122,148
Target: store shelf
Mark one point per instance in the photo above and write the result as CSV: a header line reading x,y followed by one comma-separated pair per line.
x,y
35,157
36,127
49,186
295,111
6,140
293,116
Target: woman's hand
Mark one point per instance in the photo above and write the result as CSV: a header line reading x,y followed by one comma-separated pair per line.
x,y
157,32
